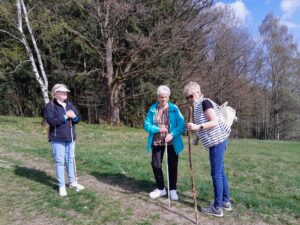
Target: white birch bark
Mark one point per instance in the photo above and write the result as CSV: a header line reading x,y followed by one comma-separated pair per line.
x,y
40,76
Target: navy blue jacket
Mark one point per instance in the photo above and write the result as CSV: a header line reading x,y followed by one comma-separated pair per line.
x,y
60,128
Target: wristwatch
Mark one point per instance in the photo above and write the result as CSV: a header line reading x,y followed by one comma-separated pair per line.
x,y
201,127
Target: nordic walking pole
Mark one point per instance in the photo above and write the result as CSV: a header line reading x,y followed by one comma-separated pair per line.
x,y
166,150
191,166
73,144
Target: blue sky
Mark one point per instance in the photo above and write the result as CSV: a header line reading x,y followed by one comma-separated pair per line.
x,y
251,13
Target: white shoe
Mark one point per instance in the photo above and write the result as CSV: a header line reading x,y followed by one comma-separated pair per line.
x,y
77,186
62,191
173,195
157,193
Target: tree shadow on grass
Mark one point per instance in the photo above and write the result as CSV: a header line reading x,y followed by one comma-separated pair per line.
x,y
134,186
36,175
128,184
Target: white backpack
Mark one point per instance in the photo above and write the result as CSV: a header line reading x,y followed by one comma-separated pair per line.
x,y
228,114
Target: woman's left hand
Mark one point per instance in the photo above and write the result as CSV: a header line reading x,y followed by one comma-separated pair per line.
x,y
169,137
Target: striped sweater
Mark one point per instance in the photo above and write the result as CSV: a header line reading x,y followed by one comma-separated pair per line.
x,y
213,136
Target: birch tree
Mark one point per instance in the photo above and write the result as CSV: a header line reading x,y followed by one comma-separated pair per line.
x,y
280,70
27,39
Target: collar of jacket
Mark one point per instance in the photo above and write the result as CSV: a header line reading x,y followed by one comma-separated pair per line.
x,y
153,108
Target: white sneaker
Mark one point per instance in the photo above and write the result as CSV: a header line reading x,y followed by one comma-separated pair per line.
x,y
62,191
77,186
157,193
173,195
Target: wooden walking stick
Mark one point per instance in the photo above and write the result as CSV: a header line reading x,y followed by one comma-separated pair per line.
x,y
191,166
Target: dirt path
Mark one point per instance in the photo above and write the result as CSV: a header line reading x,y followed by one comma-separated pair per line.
x,y
125,194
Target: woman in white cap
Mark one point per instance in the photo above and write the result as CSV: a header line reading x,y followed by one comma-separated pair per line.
x,y
61,115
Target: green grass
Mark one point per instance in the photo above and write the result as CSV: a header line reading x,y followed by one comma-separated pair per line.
x,y
263,175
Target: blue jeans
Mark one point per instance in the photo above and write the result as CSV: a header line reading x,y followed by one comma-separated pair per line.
x,y
63,152
219,179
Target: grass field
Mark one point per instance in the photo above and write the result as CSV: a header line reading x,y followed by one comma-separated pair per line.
x,y
113,165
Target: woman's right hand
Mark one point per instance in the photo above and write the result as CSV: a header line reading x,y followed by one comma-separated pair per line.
x,y
70,114
192,126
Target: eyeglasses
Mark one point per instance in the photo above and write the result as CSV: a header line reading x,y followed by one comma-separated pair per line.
x,y
189,97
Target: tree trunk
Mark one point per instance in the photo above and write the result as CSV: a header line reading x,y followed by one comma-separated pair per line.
x,y
114,87
40,76
277,127
113,90
115,104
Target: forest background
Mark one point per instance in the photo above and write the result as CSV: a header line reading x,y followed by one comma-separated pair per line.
x,y
113,55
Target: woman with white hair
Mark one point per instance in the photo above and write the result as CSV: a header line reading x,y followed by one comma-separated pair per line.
x,y
164,123
213,134
61,115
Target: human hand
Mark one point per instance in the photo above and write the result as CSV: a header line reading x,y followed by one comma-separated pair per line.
x,y
169,137
70,114
163,130
192,126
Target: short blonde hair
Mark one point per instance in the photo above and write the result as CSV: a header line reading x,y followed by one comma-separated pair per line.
x,y
163,89
58,87
191,88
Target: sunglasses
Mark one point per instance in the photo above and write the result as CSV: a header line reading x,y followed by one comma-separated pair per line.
x,y
189,97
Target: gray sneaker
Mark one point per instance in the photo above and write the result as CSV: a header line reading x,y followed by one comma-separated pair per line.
x,y
227,206
211,210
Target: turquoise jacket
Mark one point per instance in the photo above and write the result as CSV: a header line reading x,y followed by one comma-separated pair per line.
x,y
176,126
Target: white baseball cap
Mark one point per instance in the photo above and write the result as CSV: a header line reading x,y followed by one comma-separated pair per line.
x,y
59,87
